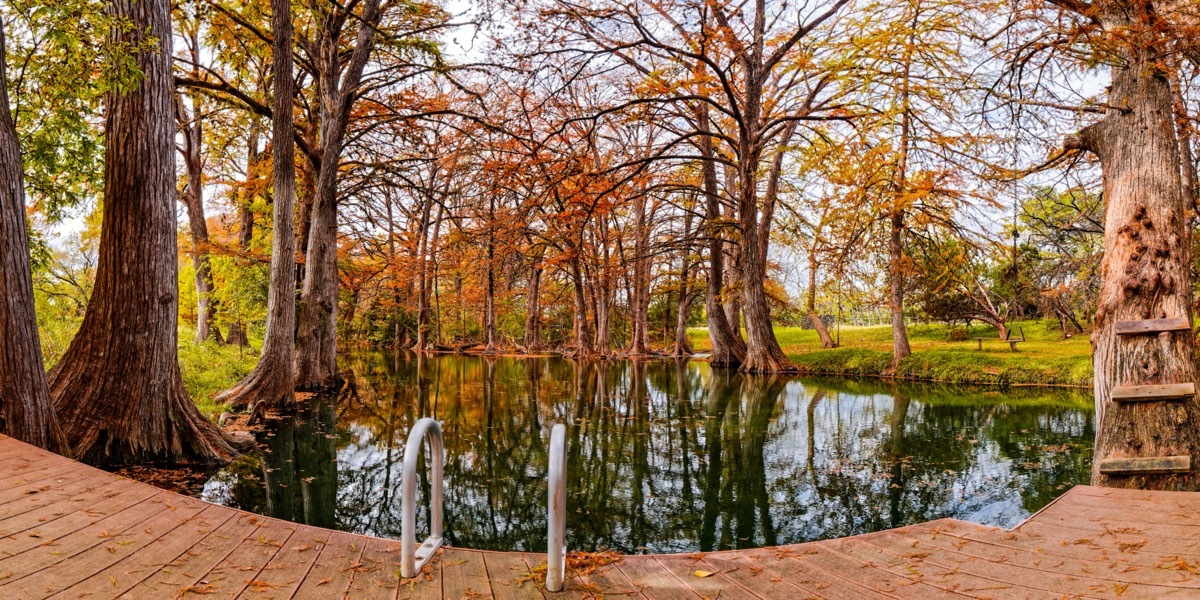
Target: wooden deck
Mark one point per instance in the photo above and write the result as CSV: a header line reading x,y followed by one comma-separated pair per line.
x,y
70,531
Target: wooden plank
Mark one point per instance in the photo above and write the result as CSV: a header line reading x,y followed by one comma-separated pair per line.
x,y
756,572
464,575
50,531
1134,574
57,500
606,580
717,584
34,471
426,586
241,568
653,579
917,569
510,577
1149,465
52,549
131,571
1039,583
379,571
184,574
1149,326
93,499
330,575
857,563
572,589
111,549
1145,393
282,576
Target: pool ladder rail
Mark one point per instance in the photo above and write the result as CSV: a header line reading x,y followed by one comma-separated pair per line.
x,y
556,507
413,558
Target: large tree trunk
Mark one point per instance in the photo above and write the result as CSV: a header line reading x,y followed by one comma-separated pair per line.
x,y
763,354
489,309
428,258
316,332
1144,275
728,349
582,343
26,412
900,347
533,306
639,343
272,382
117,390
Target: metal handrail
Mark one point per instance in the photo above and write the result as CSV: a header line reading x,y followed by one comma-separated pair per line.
x,y
556,552
412,558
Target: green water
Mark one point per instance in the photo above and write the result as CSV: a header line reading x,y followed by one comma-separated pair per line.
x,y
664,456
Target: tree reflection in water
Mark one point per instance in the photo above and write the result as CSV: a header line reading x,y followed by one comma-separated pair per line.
x,y
664,456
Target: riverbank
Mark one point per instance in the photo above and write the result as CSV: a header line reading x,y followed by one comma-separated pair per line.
x,y
1045,358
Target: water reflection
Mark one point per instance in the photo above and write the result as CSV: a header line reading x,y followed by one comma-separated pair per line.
x,y
664,456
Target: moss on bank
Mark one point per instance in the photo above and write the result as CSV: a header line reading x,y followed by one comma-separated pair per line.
x,y
1045,358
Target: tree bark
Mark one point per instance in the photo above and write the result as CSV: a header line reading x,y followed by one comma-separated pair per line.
x,y
272,382
428,258
763,354
817,322
489,311
533,306
1187,161
728,349
900,347
118,390
683,346
316,337
602,294
26,411
582,343
1144,274
639,343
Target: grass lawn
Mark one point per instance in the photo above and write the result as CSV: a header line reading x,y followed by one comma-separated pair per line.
x,y
1045,358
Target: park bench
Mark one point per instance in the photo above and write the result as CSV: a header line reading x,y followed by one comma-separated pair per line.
x,y
1012,340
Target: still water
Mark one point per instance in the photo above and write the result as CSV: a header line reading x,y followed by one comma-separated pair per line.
x,y
664,456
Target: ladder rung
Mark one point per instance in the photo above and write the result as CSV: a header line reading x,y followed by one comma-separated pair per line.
x,y
1152,465
1144,393
1153,326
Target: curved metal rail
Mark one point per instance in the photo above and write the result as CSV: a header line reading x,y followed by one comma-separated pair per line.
x,y
556,553
413,558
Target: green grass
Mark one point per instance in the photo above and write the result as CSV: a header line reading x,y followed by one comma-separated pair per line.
x,y
206,368
1045,358
209,368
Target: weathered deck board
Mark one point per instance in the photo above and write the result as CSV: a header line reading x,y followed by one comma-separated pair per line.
x,y
330,575
147,560
240,569
509,575
70,531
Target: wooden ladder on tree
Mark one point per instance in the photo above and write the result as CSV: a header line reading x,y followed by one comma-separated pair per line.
x,y
1150,465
